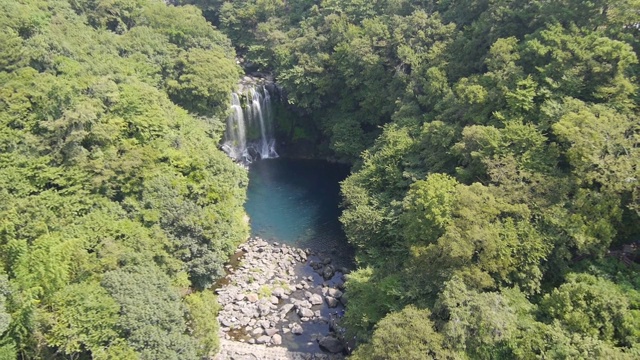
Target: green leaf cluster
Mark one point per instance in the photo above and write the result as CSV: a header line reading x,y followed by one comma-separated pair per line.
x,y
495,151
115,201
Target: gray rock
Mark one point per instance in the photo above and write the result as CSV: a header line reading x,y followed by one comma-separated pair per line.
x,y
328,272
271,331
226,322
277,292
265,324
264,309
304,312
276,339
334,293
286,308
252,298
248,311
296,329
257,331
331,344
263,339
331,301
274,300
315,299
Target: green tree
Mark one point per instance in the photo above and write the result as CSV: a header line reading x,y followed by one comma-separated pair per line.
x,y
151,313
407,334
84,318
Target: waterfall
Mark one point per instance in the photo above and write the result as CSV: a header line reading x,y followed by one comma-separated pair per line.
x,y
249,134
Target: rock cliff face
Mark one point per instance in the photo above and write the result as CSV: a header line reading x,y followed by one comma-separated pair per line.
x,y
280,293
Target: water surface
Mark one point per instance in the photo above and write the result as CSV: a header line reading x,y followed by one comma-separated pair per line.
x,y
297,202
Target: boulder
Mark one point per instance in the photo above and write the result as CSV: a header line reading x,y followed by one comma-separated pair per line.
x,y
302,254
328,272
278,292
331,301
271,331
304,312
252,298
226,322
264,309
296,329
334,293
264,323
276,339
315,299
286,308
331,344
263,339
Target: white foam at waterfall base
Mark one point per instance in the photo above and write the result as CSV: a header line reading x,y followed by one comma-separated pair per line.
x,y
256,118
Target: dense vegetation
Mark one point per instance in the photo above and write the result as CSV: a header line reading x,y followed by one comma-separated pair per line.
x,y
117,209
496,149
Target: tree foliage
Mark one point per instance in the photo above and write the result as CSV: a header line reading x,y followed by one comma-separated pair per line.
x,y
114,197
493,143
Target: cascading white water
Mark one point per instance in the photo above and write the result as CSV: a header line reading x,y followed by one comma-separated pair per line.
x,y
249,134
235,137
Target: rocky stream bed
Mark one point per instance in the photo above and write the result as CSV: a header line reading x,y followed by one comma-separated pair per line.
x,y
281,296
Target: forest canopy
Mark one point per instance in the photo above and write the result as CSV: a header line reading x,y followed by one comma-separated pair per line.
x,y
117,208
494,201
496,165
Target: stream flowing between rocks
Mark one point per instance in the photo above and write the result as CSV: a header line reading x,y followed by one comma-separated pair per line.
x,y
285,285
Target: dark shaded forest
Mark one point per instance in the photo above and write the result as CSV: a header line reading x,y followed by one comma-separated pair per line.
x,y
494,200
